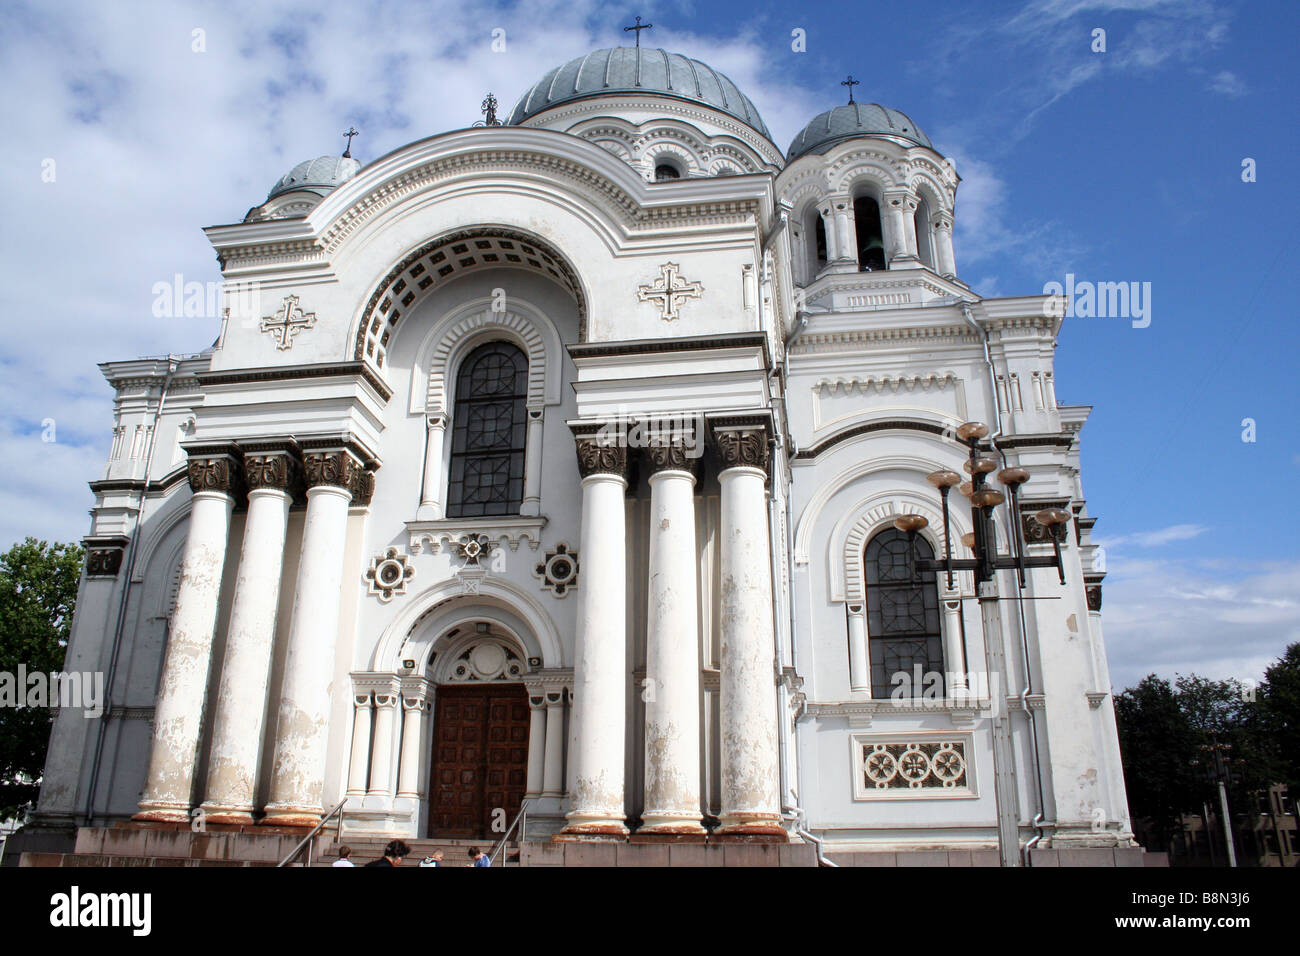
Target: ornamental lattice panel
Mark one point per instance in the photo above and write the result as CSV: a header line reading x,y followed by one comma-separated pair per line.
x,y
920,767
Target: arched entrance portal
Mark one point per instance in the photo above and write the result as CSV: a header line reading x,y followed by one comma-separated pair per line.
x,y
481,728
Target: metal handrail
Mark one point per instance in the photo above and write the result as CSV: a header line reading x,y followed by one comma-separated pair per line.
x,y
822,858
518,822
337,811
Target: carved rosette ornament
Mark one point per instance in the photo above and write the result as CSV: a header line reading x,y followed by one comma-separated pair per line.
x,y
601,457
743,447
388,574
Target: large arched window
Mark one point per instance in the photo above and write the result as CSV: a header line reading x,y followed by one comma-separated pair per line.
x,y
489,430
902,619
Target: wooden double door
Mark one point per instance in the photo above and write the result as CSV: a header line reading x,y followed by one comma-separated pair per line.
x,y
480,758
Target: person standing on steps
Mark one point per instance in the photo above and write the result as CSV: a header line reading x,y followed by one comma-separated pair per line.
x,y
345,852
478,857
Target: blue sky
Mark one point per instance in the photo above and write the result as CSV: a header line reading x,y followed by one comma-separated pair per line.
x,y
1123,165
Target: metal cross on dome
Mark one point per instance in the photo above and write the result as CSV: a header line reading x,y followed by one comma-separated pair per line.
x,y
638,28
351,131
667,294
850,83
288,322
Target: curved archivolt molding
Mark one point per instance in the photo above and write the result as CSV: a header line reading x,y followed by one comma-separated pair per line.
x,y
848,541
427,616
164,522
444,259
860,468
450,338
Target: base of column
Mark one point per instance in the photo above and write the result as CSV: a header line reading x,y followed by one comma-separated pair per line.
x,y
592,827
223,814
289,817
659,823
610,835
162,813
751,828
661,837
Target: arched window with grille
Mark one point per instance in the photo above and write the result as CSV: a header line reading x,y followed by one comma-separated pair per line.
x,y
903,630
489,430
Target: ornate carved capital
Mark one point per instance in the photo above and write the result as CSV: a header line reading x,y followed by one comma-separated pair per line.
x,y
363,486
104,562
278,471
338,468
1093,593
215,473
743,447
600,456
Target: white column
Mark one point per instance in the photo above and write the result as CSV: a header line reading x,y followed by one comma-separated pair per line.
x,y
943,246
751,775
672,733
246,674
431,492
600,654
536,744
553,772
952,652
532,503
895,230
381,755
859,661
178,710
827,211
360,762
846,228
297,778
408,768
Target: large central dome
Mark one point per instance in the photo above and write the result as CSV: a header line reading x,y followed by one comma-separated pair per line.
x,y
637,70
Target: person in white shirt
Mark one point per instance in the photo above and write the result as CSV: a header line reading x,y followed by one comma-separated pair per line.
x,y
344,853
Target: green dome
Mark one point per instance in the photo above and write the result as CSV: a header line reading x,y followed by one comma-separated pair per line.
x,y
319,175
851,121
637,70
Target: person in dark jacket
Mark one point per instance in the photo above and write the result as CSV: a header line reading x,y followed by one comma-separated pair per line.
x,y
394,853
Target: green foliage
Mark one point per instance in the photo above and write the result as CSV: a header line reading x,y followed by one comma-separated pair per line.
x,y
1279,699
38,593
1157,746
1170,734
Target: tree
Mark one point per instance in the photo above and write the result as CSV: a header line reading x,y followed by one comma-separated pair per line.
x,y
38,593
1279,699
1157,746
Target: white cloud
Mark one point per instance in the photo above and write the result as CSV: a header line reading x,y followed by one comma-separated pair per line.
x,y
1227,83
1154,539
1172,617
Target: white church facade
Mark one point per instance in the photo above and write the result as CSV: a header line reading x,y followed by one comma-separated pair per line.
x,y
559,460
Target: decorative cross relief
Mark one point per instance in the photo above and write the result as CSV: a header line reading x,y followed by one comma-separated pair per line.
x,y
669,292
288,322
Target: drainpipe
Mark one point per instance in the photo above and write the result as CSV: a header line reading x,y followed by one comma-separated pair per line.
x,y
1013,530
173,363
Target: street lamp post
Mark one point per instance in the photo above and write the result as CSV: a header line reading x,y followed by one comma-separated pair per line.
x,y
985,564
1218,772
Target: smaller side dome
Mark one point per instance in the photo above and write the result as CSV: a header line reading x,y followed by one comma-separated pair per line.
x,y
318,175
853,120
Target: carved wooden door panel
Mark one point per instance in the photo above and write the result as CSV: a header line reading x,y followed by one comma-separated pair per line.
x,y
480,759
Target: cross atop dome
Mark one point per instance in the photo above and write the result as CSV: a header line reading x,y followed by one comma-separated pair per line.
x,y
638,28
850,83
351,131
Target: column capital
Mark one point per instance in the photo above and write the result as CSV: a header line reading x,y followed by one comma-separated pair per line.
x,y
677,446
345,468
277,468
743,445
214,468
598,454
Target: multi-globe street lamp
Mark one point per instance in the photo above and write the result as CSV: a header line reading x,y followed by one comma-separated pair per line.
x,y
985,564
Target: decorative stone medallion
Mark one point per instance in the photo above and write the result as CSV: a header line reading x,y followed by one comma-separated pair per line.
x,y
669,292
288,322
559,571
387,575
